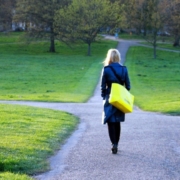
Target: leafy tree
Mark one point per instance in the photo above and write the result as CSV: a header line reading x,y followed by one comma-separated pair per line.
x,y
134,15
154,20
83,19
131,14
143,9
39,17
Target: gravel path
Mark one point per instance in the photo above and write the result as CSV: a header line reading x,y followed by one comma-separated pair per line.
x,y
149,148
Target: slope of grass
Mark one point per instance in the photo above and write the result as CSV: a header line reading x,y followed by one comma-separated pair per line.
x,y
11,37
29,136
165,45
29,72
155,82
12,176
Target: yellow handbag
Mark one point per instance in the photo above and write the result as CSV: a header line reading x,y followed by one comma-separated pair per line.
x,y
120,97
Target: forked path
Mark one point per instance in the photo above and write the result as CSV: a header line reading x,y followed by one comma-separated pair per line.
x,y
149,148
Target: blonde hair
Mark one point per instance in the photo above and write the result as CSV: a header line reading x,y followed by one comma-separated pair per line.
x,y
113,55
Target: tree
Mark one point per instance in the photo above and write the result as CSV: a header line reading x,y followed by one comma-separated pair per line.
x,y
173,19
83,19
6,13
39,17
143,9
131,20
155,19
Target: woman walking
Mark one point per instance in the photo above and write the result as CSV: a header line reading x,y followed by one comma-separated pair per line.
x,y
113,72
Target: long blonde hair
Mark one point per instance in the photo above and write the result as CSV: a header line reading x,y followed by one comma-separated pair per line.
x,y
113,55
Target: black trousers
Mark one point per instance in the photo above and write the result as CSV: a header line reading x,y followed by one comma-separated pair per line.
x,y
114,129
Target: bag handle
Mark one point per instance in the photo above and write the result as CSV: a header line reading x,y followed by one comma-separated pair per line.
x,y
116,73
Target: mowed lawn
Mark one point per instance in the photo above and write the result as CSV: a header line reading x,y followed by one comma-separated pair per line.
x,y
29,72
155,82
30,135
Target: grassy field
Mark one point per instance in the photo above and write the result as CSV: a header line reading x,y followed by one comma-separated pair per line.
x,y
155,82
165,45
12,176
30,135
161,39
11,37
130,36
29,72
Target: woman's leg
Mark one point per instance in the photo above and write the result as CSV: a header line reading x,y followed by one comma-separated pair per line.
x,y
114,129
112,132
118,131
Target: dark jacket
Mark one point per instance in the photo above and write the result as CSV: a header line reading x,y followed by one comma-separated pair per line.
x,y
110,113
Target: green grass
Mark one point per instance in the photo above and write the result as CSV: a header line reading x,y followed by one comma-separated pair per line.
x,y
11,37
129,36
155,82
12,176
162,41
29,136
134,36
169,46
29,72
165,45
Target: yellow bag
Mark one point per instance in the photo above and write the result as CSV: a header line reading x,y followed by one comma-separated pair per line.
x,y
121,98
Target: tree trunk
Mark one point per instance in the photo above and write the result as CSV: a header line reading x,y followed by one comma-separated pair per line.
x,y
26,26
52,41
155,44
176,42
89,49
154,51
145,31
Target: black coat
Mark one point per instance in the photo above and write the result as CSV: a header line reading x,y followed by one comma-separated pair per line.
x,y
110,113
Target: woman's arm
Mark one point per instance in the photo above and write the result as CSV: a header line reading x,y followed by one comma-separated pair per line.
x,y
103,85
127,81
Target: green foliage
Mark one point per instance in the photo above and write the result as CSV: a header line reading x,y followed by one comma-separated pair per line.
x,y
82,19
155,83
30,135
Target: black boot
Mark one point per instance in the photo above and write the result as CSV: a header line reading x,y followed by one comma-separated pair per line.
x,y
114,149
